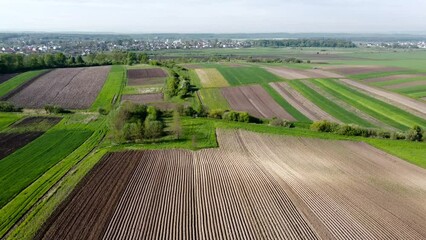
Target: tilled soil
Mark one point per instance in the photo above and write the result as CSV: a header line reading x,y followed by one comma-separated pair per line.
x,y
392,77
5,77
71,88
289,73
354,70
10,142
253,187
143,98
406,84
302,104
256,101
145,76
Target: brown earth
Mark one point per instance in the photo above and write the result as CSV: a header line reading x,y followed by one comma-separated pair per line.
x,y
10,142
5,77
72,88
143,98
146,76
406,84
256,101
415,106
354,70
302,104
289,73
392,77
253,187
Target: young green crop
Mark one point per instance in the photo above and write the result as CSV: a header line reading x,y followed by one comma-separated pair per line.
x,y
110,93
17,81
213,98
247,75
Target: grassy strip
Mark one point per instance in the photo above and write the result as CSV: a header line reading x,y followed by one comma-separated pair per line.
x,y
397,81
213,99
110,92
382,111
21,168
6,119
418,94
411,90
247,75
17,81
379,74
195,80
330,107
284,104
16,208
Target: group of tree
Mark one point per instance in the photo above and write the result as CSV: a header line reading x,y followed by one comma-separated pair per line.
x,y
328,43
414,134
10,63
133,122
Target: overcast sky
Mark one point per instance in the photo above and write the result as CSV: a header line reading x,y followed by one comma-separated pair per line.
x,y
213,16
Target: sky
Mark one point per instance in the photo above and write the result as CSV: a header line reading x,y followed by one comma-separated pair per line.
x,y
214,16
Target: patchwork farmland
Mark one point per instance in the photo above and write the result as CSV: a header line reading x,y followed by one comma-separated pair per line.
x,y
73,88
304,187
211,77
254,100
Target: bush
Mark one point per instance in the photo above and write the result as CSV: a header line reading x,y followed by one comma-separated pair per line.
x,y
55,109
397,136
281,123
230,116
216,113
243,117
415,134
324,126
8,107
189,111
153,129
103,111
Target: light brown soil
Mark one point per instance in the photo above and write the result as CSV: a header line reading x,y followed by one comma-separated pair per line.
x,y
407,84
147,76
289,73
415,106
253,187
303,105
256,101
143,98
392,77
354,70
71,88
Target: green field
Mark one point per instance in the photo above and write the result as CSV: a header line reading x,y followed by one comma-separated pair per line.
x,y
17,81
110,93
397,81
247,75
382,111
7,119
213,99
327,105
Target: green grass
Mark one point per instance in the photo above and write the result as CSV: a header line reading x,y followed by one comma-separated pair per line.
x,y
284,104
418,94
247,75
379,74
213,99
6,119
110,92
397,81
382,111
157,88
327,105
195,80
17,81
24,166
411,90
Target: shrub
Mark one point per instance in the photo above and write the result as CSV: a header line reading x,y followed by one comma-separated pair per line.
x,y
103,111
230,116
153,129
324,126
415,134
8,107
281,123
189,111
216,113
55,109
397,136
243,117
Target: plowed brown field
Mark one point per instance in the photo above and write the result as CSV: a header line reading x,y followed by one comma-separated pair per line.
x,y
289,73
256,101
74,88
354,70
145,76
253,187
5,77
10,142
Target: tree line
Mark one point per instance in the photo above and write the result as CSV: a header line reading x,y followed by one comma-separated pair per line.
x,y
326,43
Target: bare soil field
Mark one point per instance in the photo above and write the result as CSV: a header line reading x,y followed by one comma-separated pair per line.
x,y
354,70
211,77
406,84
253,187
147,76
5,77
406,102
10,142
301,103
143,98
289,73
72,88
392,77
254,100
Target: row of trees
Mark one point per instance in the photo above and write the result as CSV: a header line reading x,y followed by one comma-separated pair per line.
x,y
10,63
328,43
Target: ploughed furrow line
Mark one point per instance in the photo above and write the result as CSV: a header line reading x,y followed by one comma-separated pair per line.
x,y
355,190
86,212
301,103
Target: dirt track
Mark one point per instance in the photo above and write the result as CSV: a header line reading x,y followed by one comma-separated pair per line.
x,y
253,187
254,100
73,88
303,105
406,102
289,73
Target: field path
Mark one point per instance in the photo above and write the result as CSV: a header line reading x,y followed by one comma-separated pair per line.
x,y
412,105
